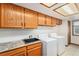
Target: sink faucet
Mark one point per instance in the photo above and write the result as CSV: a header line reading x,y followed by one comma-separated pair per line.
x,y
30,36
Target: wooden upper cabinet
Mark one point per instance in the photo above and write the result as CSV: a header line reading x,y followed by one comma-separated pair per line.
x,y
30,19
48,21
18,19
11,16
0,15
6,15
54,21
59,22
41,19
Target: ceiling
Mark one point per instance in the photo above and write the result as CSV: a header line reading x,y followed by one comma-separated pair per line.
x,y
64,11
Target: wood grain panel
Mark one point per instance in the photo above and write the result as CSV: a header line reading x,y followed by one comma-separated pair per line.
x,y
18,13
59,22
35,51
54,22
0,15
41,19
33,46
48,21
30,19
11,16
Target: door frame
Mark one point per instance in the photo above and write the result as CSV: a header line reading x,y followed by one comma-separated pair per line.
x,y
69,32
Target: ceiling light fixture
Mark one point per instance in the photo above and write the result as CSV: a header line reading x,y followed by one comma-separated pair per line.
x,y
67,9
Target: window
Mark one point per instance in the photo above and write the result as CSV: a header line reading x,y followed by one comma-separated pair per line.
x,y
75,27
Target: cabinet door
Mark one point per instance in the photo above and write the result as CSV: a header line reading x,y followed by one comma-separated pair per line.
x,y
58,21
18,16
20,54
7,17
35,51
41,19
54,22
30,19
48,21
0,14
11,16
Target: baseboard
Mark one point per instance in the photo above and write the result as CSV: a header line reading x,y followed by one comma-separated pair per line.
x,y
67,45
75,44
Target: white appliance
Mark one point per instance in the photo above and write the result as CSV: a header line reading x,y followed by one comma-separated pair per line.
x,y
49,46
60,43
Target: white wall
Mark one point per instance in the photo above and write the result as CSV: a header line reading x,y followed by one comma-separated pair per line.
x,y
60,30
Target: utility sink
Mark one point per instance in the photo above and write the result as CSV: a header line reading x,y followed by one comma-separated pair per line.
x,y
30,40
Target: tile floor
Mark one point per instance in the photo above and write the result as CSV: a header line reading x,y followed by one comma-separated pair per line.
x,y
71,50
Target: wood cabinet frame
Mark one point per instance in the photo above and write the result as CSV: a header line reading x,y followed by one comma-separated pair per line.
x,y
17,24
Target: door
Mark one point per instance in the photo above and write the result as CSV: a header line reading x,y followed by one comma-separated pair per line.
x,y
41,19
69,32
59,22
12,16
48,21
18,19
7,16
30,19
54,22
23,53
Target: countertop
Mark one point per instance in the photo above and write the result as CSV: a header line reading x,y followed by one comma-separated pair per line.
x,y
13,45
9,43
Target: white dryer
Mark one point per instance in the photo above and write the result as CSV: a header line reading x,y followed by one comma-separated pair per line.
x,y
60,43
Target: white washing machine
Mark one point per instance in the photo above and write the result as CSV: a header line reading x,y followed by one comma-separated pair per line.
x,y
49,46
60,43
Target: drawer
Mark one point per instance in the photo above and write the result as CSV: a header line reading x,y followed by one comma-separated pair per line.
x,y
35,51
14,52
20,54
33,45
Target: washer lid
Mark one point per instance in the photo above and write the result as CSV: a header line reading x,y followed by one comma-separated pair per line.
x,y
44,35
59,37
